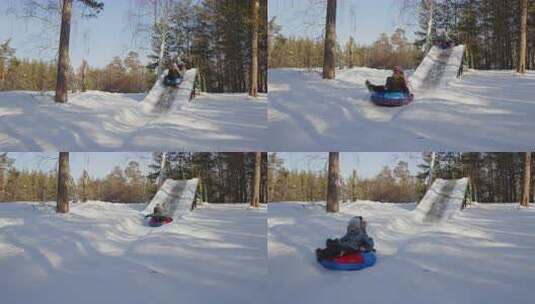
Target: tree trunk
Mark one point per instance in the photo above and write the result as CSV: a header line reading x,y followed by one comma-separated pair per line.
x,y
333,182
527,180
63,179
329,57
161,176
63,60
253,86
354,187
431,8
83,72
522,50
255,200
431,169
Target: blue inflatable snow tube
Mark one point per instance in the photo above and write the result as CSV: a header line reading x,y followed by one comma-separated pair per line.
x,y
391,99
368,260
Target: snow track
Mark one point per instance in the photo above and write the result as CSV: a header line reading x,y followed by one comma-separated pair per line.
x,y
175,196
442,200
438,68
162,99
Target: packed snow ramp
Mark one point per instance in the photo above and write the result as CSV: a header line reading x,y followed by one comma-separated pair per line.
x,y
438,68
176,197
163,99
442,200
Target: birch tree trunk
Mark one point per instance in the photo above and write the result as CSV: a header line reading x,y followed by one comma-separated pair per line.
x,y
161,176
329,59
253,86
527,180
255,201
63,59
333,182
431,170
429,39
63,179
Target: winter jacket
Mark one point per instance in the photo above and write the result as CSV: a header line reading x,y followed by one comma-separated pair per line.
x,y
173,73
357,239
396,84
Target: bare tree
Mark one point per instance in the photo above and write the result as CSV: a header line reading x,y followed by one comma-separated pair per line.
x,y
522,47
253,87
329,59
255,201
64,42
430,5
354,186
333,182
431,176
527,180
63,180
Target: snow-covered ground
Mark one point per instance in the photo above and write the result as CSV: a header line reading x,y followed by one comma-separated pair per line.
x,y
484,254
98,121
484,111
102,253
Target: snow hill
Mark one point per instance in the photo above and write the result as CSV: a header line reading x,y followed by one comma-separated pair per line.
x,y
175,196
442,200
481,255
162,99
483,111
102,253
98,121
438,68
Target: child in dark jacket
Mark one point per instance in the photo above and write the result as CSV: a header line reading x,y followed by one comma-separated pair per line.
x,y
355,240
158,214
395,83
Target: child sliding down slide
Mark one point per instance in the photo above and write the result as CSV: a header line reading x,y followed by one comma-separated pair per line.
x,y
356,240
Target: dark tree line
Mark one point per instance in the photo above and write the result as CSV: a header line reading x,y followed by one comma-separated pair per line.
x,y
490,29
224,177
494,177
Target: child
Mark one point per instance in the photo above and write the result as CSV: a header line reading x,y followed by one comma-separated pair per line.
x,y
394,83
158,214
355,240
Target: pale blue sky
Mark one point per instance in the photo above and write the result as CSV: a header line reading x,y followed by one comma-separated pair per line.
x,y
366,164
98,164
96,39
365,20
100,39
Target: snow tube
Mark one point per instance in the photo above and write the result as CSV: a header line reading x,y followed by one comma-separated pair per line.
x,y
153,222
391,99
172,82
351,262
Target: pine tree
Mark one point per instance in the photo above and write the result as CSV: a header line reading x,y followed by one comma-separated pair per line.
x,y
329,61
63,58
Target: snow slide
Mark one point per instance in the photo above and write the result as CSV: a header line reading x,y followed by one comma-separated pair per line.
x,y
175,196
161,98
438,68
442,200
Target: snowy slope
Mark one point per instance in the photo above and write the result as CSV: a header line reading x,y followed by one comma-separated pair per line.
x,y
442,200
482,255
161,99
98,121
438,68
484,111
175,196
102,253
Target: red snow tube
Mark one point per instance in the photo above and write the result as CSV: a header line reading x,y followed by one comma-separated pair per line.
x,y
153,222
